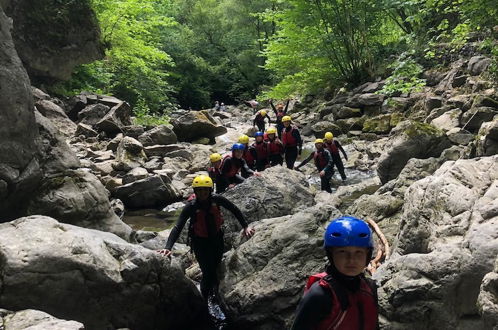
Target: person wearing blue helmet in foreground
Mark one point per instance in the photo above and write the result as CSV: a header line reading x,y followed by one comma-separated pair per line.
x,y
231,167
341,297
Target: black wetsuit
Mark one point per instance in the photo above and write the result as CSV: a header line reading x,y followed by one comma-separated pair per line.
x,y
225,180
208,251
291,152
336,157
328,169
259,121
280,125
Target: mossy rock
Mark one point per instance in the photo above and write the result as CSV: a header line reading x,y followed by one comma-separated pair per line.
x,y
378,125
416,128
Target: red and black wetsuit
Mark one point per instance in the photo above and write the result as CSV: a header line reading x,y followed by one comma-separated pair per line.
x,y
215,175
275,151
334,148
260,153
279,116
293,144
259,121
250,160
206,235
230,169
323,162
336,301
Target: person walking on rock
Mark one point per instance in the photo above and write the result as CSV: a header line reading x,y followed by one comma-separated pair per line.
x,y
323,163
280,112
334,146
232,166
341,297
260,151
205,231
275,148
215,170
248,154
293,144
259,120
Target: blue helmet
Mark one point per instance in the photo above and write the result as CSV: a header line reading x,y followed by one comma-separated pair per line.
x,y
348,231
238,146
258,134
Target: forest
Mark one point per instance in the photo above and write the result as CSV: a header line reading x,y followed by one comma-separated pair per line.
x,y
165,54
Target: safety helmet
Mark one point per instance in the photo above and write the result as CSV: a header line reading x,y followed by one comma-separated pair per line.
x,y
258,134
238,146
271,130
243,139
286,118
263,113
202,181
348,231
318,141
214,157
329,136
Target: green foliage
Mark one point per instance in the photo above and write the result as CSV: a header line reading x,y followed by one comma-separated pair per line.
x,y
405,77
145,118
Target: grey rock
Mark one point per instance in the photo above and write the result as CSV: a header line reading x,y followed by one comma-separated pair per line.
x,y
197,124
57,116
396,104
138,173
346,112
79,198
433,102
154,163
460,136
118,207
319,129
351,124
130,154
115,119
463,101
486,101
459,81
371,99
36,320
487,301
475,117
478,64
134,131
114,143
93,113
153,191
487,139
183,153
160,135
39,95
162,150
119,285
85,130
448,120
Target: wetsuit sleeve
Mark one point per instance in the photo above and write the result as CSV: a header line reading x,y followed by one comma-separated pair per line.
x,y
269,119
297,136
273,107
306,161
180,223
286,107
222,201
312,309
246,168
254,121
227,165
341,149
328,156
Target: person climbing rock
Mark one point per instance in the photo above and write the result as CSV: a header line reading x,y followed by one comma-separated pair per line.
x,y
248,155
216,105
259,120
334,146
205,231
293,144
253,104
280,112
275,148
341,297
231,167
260,151
323,163
215,170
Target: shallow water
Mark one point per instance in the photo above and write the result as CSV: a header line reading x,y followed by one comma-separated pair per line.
x,y
150,219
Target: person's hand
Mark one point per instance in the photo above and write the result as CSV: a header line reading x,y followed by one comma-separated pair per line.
x,y
230,186
257,174
164,252
297,169
322,173
248,232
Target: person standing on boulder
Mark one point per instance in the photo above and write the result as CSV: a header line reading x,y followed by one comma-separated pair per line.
x,y
260,151
293,144
275,148
341,297
280,112
205,231
334,146
232,165
259,120
323,163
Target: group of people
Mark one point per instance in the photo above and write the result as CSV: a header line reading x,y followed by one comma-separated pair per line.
x,y
339,298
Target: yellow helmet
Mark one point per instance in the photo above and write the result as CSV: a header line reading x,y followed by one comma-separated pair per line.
x,y
202,181
318,141
286,118
329,136
263,113
243,139
271,130
215,157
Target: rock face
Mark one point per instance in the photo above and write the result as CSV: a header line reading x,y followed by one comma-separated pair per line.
x,y
93,277
263,279
20,170
58,117
197,124
488,299
160,135
72,39
487,143
447,243
35,320
130,154
410,140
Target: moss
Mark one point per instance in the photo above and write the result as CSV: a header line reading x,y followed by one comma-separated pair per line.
x,y
396,118
418,128
380,124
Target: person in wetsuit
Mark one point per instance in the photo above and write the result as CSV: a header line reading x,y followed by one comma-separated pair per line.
x,y
293,144
323,163
334,146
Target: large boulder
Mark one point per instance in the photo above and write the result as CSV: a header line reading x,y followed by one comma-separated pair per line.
x,y
447,243
448,120
159,135
93,113
52,37
58,117
93,277
319,129
473,119
19,167
116,119
197,124
487,139
153,191
130,154
478,64
77,197
35,320
263,279
487,301
410,140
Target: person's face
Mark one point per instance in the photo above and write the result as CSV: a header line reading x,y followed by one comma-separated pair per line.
x,y
259,138
286,123
271,136
319,146
238,153
350,260
202,193
216,164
